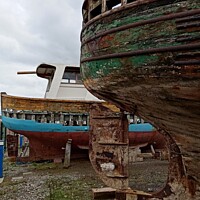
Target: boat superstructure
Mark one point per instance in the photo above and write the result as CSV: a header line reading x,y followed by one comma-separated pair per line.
x,y
64,82
143,56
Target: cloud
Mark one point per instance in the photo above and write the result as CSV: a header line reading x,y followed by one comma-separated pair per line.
x,y
33,32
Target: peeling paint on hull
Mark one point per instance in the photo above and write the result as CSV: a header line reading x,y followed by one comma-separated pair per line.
x,y
146,59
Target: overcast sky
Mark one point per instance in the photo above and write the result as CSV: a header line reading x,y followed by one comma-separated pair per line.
x,y
34,32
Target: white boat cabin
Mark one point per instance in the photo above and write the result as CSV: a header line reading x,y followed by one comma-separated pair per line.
x,y
64,82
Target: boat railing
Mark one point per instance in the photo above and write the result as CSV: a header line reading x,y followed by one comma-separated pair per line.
x,y
93,8
66,119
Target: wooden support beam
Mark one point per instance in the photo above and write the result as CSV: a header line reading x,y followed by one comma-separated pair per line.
x,y
67,153
145,155
152,150
111,193
103,193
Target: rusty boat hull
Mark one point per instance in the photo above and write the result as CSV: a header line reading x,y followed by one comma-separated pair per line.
x,y
43,122
144,57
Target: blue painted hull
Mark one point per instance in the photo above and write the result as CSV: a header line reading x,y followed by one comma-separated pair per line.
x,y
33,126
47,140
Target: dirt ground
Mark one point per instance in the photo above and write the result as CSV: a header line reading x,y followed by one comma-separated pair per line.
x,y
50,181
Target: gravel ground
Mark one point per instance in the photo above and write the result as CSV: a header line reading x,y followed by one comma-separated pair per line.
x,y
50,181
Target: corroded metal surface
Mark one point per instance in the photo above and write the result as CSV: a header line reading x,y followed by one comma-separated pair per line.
x,y
144,57
109,145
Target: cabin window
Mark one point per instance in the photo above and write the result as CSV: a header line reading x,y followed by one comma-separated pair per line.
x,y
71,77
78,78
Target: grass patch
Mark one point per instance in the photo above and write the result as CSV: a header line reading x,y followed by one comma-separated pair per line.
x,y
78,189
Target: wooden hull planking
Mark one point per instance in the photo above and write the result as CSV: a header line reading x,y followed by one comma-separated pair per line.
x,y
145,58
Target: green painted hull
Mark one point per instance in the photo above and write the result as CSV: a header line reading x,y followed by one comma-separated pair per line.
x,y
146,59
